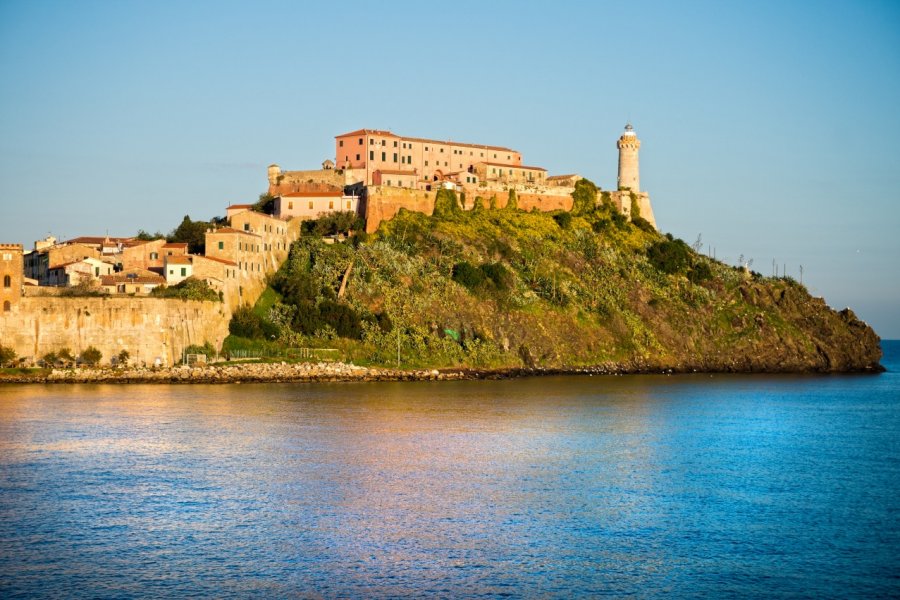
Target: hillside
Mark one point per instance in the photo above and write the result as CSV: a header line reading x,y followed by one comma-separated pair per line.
x,y
503,288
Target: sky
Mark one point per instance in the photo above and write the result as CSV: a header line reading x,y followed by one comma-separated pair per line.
x,y
770,129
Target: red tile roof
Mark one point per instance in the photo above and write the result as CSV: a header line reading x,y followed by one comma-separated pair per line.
x,y
239,206
175,245
359,132
232,230
219,260
507,166
179,259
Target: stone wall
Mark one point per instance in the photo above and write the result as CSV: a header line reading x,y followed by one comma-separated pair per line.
x,y
148,328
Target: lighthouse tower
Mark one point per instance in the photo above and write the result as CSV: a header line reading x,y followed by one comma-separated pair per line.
x,y
628,144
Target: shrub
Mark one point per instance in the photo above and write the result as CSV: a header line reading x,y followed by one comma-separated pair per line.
x,y
584,198
563,219
700,272
49,359
206,349
7,355
189,289
446,204
246,323
91,356
467,275
642,224
512,202
498,275
670,256
123,357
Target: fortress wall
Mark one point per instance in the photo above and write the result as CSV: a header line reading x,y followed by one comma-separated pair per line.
x,y
147,327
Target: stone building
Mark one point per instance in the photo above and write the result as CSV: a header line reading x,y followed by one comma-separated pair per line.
x,y
11,276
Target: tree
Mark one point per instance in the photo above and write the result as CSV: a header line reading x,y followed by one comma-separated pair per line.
x,y
91,356
123,357
49,359
147,236
512,203
446,204
7,355
192,232
584,198
265,204
65,356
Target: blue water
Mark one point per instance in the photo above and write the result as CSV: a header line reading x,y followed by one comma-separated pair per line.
x,y
684,486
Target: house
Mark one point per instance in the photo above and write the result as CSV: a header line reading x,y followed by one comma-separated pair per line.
x,y
76,272
312,205
133,281
177,268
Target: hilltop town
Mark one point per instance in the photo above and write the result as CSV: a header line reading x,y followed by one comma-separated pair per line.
x,y
102,291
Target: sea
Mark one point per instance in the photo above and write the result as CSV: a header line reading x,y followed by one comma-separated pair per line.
x,y
644,486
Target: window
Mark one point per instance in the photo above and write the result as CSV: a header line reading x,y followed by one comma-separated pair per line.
x,y
310,204
7,281
360,141
426,163
246,226
395,157
383,143
154,256
495,156
371,155
183,271
221,245
341,144
426,148
395,143
348,204
6,306
442,150
96,271
371,142
331,204
290,205
383,155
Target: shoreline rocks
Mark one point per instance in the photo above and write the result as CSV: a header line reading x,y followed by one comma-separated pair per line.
x,y
348,372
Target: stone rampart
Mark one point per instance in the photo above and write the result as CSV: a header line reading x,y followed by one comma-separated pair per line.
x,y
148,328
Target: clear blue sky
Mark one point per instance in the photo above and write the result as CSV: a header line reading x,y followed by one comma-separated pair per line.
x,y
772,128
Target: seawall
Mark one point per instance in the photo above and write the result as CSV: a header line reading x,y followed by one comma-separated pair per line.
x,y
148,328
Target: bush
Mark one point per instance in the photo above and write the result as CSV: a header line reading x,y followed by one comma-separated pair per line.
x,y
670,256
247,324
498,275
91,356
563,219
123,357
468,275
512,203
446,204
206,349
584,198
7,355
189,289
700,272
642,224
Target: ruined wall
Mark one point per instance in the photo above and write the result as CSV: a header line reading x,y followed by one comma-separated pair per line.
x,y
146,327
286,182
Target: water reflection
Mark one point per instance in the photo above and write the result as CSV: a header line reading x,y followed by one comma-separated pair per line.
x,y
552,487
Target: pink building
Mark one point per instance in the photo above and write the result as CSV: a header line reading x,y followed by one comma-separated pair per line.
x,y
371,154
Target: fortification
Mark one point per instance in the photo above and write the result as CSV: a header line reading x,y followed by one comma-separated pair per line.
x,y
11,275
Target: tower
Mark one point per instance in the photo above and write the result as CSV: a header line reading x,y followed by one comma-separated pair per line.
x,y
628,144
11,273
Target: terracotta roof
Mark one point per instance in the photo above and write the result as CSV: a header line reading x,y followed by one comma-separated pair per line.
x,y
394,172
239,206
180,259
506,166
67,264
219,260
422,140
334,194
232,230
175,245
368,131
97,239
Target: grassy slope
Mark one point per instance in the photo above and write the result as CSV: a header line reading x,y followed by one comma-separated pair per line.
x,y
584,294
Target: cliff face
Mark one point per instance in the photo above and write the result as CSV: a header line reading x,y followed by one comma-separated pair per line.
x,y
508,288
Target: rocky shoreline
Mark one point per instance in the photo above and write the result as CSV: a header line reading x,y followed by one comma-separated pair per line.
x,y
348,372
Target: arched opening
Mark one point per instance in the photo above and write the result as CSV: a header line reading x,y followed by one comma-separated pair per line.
x,y
6,306
7,281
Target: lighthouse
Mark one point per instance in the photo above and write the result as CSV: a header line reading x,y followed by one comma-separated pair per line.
x,y
629,175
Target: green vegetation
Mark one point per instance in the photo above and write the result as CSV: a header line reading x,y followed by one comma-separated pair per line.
x,y
265,204
7,356
189,289
192,232
334,223
508,288
91,356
